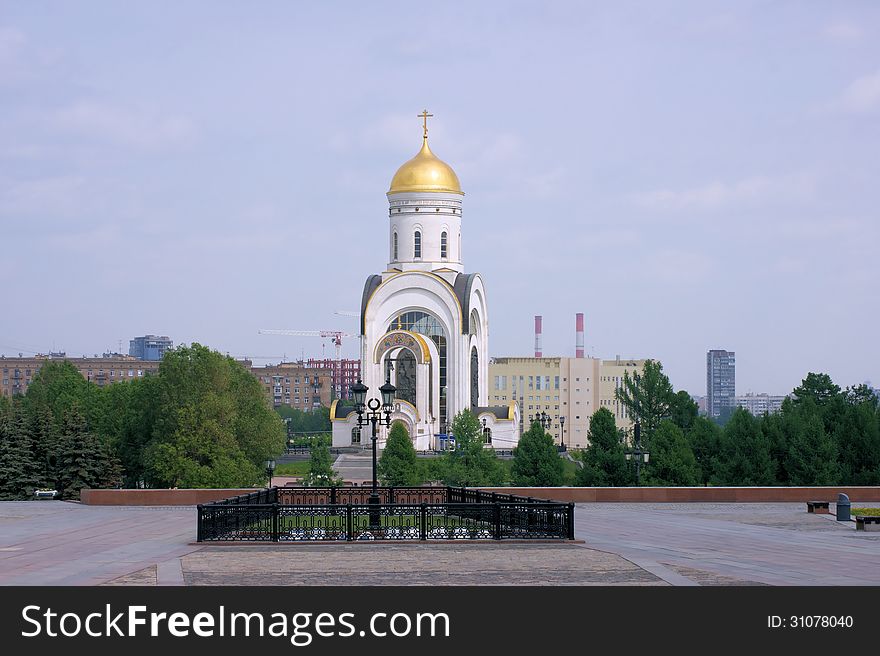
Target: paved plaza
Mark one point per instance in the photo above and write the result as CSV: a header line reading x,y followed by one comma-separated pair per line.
x,y
60,543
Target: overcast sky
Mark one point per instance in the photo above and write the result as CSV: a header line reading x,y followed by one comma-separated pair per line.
x,y
690,175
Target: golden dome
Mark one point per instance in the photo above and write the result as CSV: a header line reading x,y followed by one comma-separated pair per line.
x,y
425,172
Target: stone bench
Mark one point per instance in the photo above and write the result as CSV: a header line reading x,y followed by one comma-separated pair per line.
x,y
818,507
868,522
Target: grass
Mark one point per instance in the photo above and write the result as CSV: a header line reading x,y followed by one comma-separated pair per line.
x,y
297,468
869,512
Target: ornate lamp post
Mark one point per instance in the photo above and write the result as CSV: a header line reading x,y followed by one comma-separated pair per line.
x,y
637,452
375,413
487,436
270,469
562,428
542,418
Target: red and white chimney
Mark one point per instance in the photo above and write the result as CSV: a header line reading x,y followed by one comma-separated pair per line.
x,y
539,337
579,335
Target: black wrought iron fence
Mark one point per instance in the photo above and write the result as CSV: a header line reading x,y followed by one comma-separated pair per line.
x,y
414,513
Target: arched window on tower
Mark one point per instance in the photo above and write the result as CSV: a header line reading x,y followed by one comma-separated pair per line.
x,y
417,245
394,247
356,435
443,245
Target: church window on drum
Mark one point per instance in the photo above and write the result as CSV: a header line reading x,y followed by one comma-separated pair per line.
x,y
394,247
417,244
443,241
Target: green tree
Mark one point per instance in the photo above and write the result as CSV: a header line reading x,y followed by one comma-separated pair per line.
x,y
20,472
812,453
672,461
818,392
470,463
858,441
704,437
398,464
775,432
647,397
536,462
59,386
211,426
321,472
859,394
84,462
604,458
137,405
743,456
317,419
683,411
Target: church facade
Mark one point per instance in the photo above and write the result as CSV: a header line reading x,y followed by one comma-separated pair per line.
x,y
424,321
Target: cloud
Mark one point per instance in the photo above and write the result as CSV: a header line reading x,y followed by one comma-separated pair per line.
x,y
844,32
861,96
60,195
139,128
12,61
719,195
678,266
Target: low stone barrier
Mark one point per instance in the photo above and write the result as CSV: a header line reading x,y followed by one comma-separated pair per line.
x,y
692,494
178,497
562,494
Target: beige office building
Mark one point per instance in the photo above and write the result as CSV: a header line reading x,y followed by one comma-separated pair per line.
x,y
573,388
18,372
295,384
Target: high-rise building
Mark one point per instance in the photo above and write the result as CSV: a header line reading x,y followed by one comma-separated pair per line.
x,y
149,347
720,382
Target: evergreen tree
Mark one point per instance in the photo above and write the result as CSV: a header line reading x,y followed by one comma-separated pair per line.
x,y
647,396
470,463
536,461
704,437
83,461
604,458
20,472
398,464
812,453
671,462
743,457
818,393
773,427
321,472
46,446
858,441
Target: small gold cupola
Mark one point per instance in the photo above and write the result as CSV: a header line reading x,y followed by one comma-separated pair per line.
x,y
425,171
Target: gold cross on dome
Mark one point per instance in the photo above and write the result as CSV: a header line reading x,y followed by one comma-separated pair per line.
x,y
425,116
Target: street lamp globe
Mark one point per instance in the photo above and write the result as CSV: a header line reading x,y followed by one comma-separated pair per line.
x,y
359,393
387,390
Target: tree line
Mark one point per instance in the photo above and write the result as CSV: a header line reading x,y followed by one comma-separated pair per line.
x,y
823,435
201,421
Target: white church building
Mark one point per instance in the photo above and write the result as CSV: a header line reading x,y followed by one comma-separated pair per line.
x,y
424,321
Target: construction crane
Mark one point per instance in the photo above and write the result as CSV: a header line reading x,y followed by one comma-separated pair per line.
x,y
335,335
